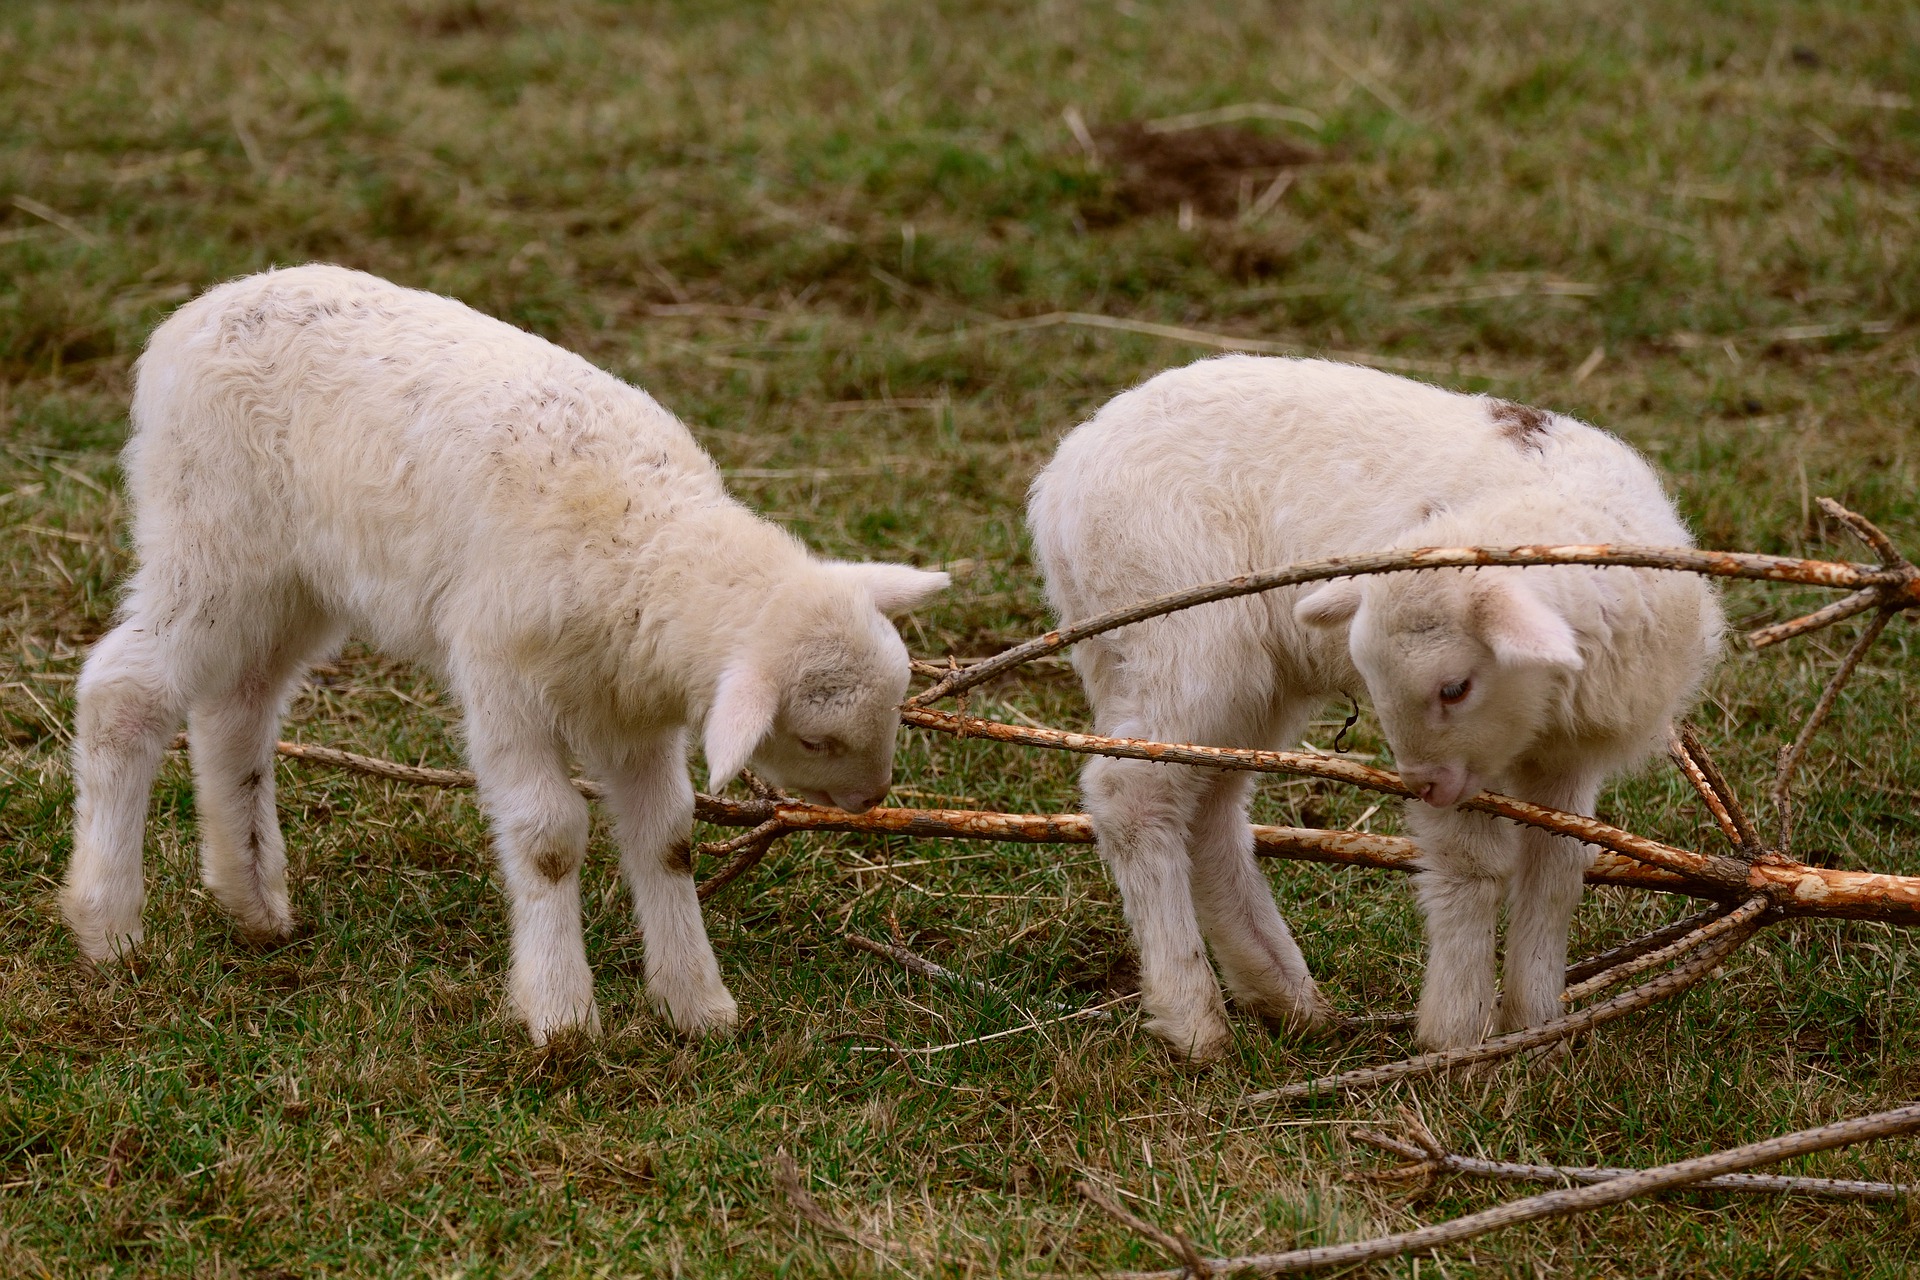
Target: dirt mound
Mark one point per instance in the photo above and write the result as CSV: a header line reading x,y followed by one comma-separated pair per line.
x,y
1218,170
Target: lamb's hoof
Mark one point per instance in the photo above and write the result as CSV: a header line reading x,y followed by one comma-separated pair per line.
x,y
1301,1019
550,1030
1194,1039
1436,1035
104,953
260,921
715,1014
106,935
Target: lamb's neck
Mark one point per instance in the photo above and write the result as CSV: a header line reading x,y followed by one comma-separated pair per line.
x,y
704,598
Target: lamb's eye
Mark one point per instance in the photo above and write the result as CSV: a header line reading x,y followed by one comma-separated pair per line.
x,y
1455,693
814,746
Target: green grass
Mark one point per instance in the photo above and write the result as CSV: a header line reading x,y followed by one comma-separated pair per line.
x,y
781,220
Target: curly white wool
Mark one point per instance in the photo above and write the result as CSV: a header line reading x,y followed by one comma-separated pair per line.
x,y
316,451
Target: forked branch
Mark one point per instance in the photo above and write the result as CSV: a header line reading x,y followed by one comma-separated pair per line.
x,y
1427,1160
1703,962
1642,1182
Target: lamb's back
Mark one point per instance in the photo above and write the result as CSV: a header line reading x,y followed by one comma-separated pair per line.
x,y
348,400
1243,463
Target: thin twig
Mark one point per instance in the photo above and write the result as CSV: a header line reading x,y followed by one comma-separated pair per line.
x,y
1790,758
913,962
1734,919
1091,1011
1642,1182
1839,611
1718,793
1601,961
1192,1264
1865,530
748,851
1506,1171
1667,984
1723,564
787,1177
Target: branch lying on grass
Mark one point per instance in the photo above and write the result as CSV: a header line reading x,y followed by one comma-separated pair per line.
x,y
1899,584
1032,1024
1796,889
1734,919
1192,1264
748,850
1428,1160
786,1176
1601,961
1628,1186
1673,982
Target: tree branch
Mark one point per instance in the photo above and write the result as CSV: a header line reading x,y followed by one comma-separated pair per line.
x,y
1670,983
1720,564
1552,1204
1429,1160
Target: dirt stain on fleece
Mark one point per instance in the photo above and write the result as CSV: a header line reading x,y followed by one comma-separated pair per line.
x,y
1521,424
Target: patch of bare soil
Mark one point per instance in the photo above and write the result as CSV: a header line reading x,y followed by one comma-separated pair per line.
x,y
1216,170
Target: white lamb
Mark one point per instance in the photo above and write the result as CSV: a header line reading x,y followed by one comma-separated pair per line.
x,y
1540,683
317,450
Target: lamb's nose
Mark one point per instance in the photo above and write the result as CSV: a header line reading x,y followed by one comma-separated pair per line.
x,y
859,802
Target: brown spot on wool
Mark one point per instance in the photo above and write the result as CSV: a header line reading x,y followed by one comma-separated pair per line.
x,y
1521,424
677,858
555,864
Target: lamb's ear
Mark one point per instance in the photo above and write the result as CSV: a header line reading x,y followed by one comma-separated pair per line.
x,y
1522,628
744,704
1331,605
896,588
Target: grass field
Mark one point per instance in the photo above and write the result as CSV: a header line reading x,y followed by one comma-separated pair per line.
x,y
798,227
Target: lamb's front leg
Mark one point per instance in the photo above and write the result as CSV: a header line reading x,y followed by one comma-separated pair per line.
x,y
1548,880
540,840
1142,813
652,804
1465,861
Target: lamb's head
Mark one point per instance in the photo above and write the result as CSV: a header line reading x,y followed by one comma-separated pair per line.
x,y
1465,668
811,698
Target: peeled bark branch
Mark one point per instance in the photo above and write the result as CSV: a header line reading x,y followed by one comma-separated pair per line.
x,y
1602,961
1901,581
1717,793
1797,890
1734,919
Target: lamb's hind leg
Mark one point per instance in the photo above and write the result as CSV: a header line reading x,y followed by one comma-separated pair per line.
x,y
1546,887
231,734
1258,957
1142,813
129,707
652,804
